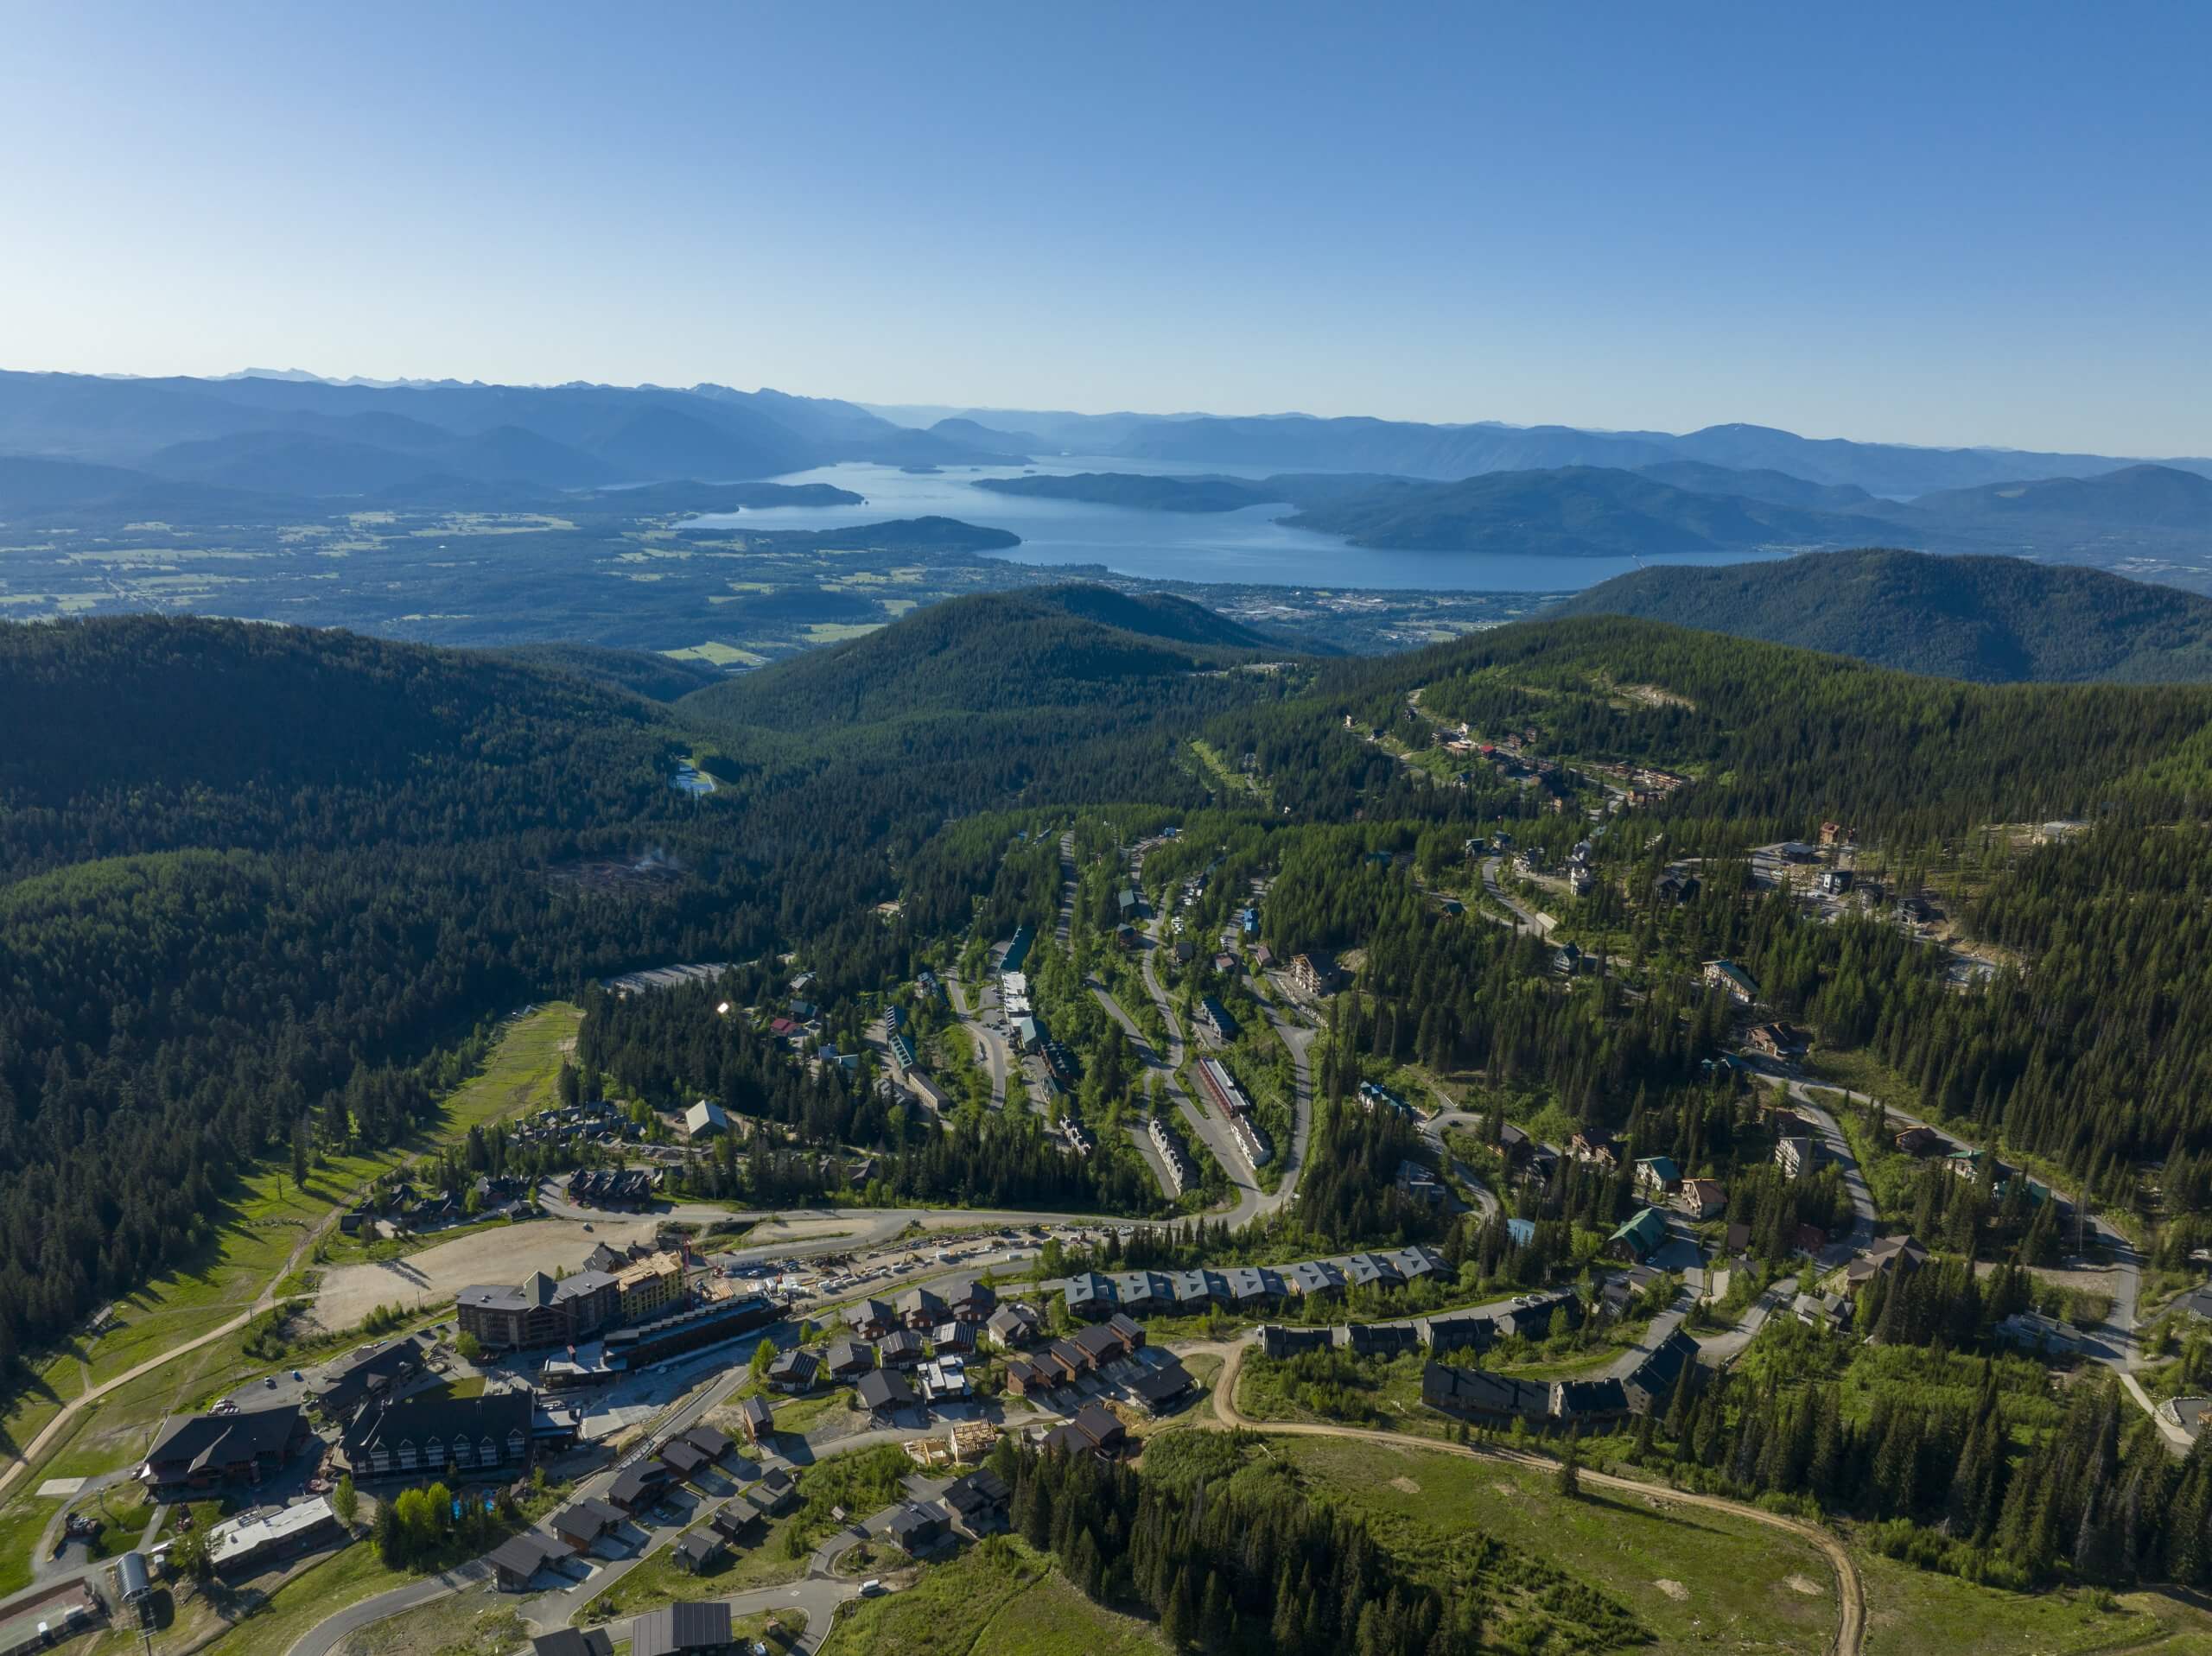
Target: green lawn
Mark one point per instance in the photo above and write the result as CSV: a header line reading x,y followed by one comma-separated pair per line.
x,y
1911,1611
257,1232
1000,1598
655,1581
1695,1580
802,1414
21,1524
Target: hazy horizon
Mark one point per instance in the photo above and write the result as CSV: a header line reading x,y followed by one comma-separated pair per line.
x,y
1945,228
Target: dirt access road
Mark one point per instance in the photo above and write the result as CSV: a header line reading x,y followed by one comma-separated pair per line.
x,y
1851,1593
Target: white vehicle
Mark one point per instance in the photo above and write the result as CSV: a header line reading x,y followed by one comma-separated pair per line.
x,y
871,1587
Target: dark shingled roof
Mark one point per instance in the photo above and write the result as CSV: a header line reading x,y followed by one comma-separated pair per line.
x,y
211,1440
695,1625
574,1641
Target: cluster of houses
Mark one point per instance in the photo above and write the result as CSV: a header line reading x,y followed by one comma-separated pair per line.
x,y
899,1354
971,1506
1658,1179
1107,1350
614,1187
1483,1397
400,1206
592,1122
1226,1096
595,1527
1094,1298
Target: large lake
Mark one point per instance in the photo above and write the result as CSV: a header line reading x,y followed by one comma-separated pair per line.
x,y
1246,547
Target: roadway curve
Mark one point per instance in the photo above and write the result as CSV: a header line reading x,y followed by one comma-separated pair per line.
x,y
263,1301
1850,1592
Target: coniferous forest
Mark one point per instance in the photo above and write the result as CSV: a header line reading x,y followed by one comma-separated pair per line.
x,y
267,888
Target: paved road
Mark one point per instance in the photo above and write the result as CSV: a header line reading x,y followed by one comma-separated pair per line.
x,y
1298,1040
1524,919
1448,1113
1718,1350
1851,1593
1839,1150
1194,1125
2116,1345
1066,923
990,1049
326,1635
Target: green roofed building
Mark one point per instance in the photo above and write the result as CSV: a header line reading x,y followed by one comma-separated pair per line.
x,y
1640,1238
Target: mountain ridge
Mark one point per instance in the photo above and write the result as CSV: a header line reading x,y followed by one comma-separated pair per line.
x,y
1984,618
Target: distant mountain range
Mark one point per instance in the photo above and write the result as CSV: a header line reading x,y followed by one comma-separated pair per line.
x,y
1297,442
1996,619
304,437
274,446
1679,507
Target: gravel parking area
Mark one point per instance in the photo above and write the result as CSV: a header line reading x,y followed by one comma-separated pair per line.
x,y
506,1254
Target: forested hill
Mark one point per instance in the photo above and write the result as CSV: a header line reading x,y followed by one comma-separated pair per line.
x,y
1782,738
641,672
995,653
1573,512
257,882
251,876
1993,619
132,734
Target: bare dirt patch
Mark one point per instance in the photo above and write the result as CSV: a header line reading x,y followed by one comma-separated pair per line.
x,y
1406,1484
1805,1584
1673,1589
507,1253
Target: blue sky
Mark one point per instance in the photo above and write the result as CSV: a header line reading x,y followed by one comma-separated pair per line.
x,y
1943,224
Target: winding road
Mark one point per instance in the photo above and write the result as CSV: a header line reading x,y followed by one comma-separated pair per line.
x,y
992,1050
1250,1202
1850,1592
